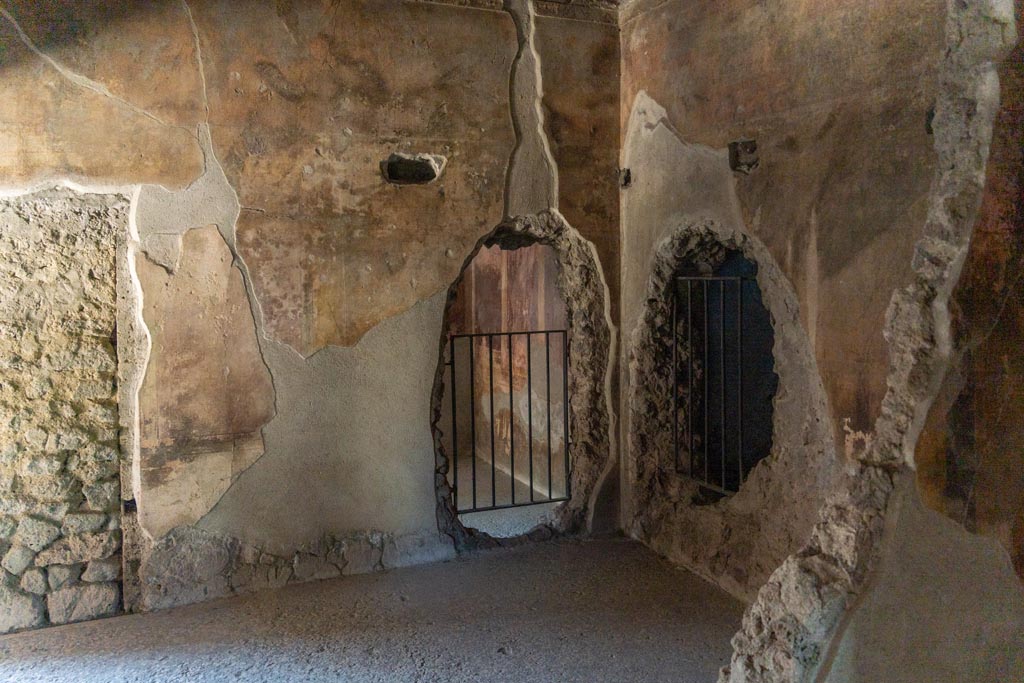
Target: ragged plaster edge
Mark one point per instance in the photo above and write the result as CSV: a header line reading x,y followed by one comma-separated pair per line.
x,y
528,190
578,271
612,466
815,589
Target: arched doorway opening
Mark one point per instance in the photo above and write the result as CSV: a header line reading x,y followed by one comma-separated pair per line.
x,y
527,325
507,353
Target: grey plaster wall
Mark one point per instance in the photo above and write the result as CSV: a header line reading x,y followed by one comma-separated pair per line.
x,y
944,605
869,551
682,201
350,447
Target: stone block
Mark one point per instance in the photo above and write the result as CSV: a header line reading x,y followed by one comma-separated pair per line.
x,y
93,466
17,559
100,571
51,488
410,549
43,465
36,534
362,556
19,611
84,522
34,581
60,575
308,567
83,601
82,548
104,495
7,528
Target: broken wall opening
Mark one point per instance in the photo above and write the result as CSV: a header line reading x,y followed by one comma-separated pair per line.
x,y
505,427
556,292
735,539
723,377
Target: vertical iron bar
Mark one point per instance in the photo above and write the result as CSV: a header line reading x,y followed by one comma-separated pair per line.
x,y
565,409
455,433
529,403
689,369
675,376
472,415
490,369
739,374
511,426
704,368
547,366
721,367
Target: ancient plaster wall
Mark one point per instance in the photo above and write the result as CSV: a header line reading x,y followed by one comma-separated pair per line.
x,y
60,490
276,294
969,457
846,160
682,204
853,168
824,613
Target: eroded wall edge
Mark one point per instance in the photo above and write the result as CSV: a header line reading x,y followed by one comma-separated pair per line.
x,y
786,632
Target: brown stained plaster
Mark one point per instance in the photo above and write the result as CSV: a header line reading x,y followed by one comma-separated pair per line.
x,y
199,58
814,588
80,80
590,11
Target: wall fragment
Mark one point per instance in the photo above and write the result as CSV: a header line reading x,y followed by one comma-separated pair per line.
x,y
59,456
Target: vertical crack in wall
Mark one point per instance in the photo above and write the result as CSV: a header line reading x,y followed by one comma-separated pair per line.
x,y
531,185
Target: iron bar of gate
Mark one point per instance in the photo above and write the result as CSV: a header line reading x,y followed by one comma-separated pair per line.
x,y
547,371
723,385
511,424
494,463
529,381
455,433
739,379
675,376
567,488
721,370
529,405
705,377
472,414
689,369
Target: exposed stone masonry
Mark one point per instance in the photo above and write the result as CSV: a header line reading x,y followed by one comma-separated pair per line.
x,y
60,533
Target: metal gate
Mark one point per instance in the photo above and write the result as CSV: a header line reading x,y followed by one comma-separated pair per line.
x,y
707,383
527,373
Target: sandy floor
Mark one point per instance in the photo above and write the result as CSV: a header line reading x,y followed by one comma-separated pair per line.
x,y
606,610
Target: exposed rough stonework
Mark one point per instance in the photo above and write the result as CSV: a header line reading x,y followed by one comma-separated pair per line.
x,y
591,350
59,456
190,564
738,541
786,631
